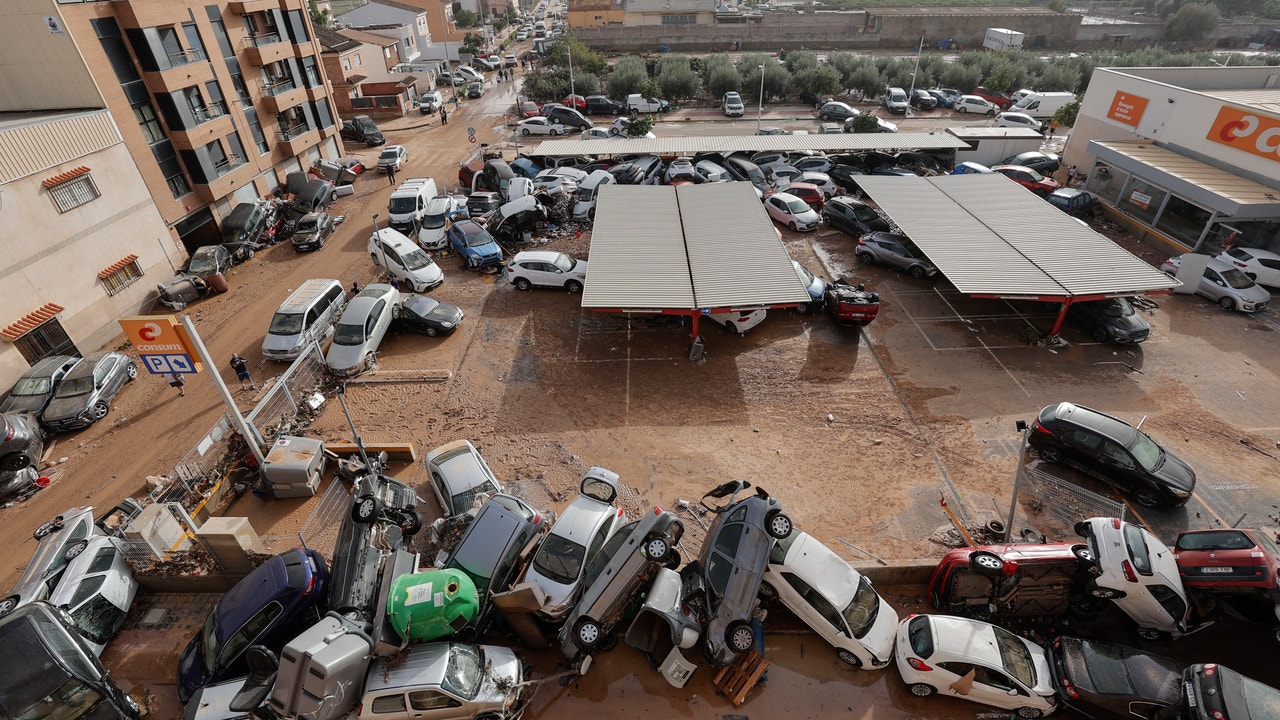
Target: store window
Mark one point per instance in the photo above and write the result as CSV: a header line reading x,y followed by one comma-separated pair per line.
x,y
1106,181
1183,221
1141,200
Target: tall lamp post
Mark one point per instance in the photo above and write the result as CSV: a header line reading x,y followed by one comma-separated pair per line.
x,y
444,27
568,43
760,101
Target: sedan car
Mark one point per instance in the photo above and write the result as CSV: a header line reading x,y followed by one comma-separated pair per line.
x,y
837,111
60,541
460,477
470,240
1028,178
787,209
540,126
1262,266
1042,162
1229,558
426,316
1105,681
393,157
1113,451
445,681
546,268
721,585
85,394
896,251
1018,120
601,105
1226,285
1139,574
923,100
208,261
97,588
311,231
360,330
1110,320
34,389
853,216
490,550
976,661
528,109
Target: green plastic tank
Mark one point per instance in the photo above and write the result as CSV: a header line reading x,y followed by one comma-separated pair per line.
x,y
431,605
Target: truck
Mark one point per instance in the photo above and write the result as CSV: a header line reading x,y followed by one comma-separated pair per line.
x,y
1043,104
1002,39
640,104
989,145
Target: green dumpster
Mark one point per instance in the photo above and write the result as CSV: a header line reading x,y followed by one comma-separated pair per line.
x,y
432,604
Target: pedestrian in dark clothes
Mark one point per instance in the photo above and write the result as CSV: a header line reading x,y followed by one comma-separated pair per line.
x,y
355,286
176,380
444,116
391,174
241,366
395,282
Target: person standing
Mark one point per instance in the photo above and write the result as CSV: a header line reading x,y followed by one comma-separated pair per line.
x,y
177,381
391,174
444,116
241,366
1053,127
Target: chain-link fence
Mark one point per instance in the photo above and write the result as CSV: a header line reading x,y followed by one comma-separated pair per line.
x,y
320,531
289,397
1066,501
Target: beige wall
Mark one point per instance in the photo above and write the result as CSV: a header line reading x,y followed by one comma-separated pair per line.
x,y
39,69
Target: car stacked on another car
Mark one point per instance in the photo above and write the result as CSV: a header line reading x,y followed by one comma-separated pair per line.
x,y
361,328
1015,581
21,447
86,392
35,388
1139,574
312,231
460,477
1229,560
1261,266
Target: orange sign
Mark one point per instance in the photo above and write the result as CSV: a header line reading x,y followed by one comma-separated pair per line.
x,y
1247,131
162,338
1127,108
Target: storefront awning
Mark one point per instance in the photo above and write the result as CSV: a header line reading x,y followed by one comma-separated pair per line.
x,y
1205,185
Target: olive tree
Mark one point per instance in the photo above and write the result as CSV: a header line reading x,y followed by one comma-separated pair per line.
x,y
629,76
864,123
723,79
866,81
678,81
584,58
817,80
1193,21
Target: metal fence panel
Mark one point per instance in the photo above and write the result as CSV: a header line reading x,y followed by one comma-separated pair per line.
x,y
320,531
278,410
1065,500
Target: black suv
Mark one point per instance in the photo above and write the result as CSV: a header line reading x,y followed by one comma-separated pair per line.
x,y
1113,451
601,105
490,550
1075,202
361,128
569,117
852,216
1111,320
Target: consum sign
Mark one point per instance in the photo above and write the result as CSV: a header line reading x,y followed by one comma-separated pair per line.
x,y
1247,131
1127,108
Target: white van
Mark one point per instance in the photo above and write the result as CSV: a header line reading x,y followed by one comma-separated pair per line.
x,y
408,203
1042,105
404,261
430,102
309,312
584,206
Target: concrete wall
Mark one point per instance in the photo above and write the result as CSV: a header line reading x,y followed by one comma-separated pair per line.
x,y
1048,28
40,68
825,30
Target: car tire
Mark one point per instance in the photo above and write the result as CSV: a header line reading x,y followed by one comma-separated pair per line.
x,y
672,562
573,287
732,328
523,284
524,131
961,109
132,371
1030,712
15,461
587,633
366,509
991,112
922,690
986,563
73,551
866,260
1105,593
1227,303
848,658
917,272
803,309
1051,454
100,409
432,332
1149,633
8,605
1100,334
1147,498
374,257
43,531
1083,554
739,636
656,548
794,227
777,524
410,523
554,132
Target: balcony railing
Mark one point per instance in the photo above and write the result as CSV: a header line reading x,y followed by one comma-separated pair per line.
x,y
186,57
263,39
209,112
272,88
223,167
294,131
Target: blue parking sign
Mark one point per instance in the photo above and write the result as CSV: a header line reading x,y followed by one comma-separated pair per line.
x,y
165,364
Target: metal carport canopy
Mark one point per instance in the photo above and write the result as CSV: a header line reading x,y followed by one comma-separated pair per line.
x,y
992,237
826,142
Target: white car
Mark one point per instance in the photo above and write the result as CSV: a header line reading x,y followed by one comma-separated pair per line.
x,y
739,321
1262,266
1138,573
1018,120
976,661
782,174
401,258
393,156
1224,283
813,163
559,180
546,268
460,477
360,330
574,540
440,209
97,589
540,126
833,599
598,133
974,104
521,36
820,179
733,106
787,209
681,169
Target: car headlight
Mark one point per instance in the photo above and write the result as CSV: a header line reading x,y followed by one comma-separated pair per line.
x,y
446,324
1178,493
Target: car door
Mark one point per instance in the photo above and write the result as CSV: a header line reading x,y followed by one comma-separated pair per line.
x,y
103,381
816,611
995,687
376,326
838,216
776,209
1267,272
1118,466
1212,285
896,255
433,704
1081,451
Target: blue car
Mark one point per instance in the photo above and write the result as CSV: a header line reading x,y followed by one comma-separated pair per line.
x,y
269,607
524,167
470,240
970,168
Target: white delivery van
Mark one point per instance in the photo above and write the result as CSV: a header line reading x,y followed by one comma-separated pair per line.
x,y
584,205
309,312
1043,105
430,102
408,204
641,104
404,260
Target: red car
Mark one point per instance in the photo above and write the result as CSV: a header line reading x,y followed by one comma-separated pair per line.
x,y
1028,178
1228,558
577,102
809,193
1024,580
1000,100
528,109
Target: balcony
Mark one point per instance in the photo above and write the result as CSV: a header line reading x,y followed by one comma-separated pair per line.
x,y
248,7
209,112
265,48
296,139
284,97
231,164
206,132
232,173
179,77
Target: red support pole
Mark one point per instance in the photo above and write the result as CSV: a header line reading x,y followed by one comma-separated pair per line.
x,y
1057,324
696,317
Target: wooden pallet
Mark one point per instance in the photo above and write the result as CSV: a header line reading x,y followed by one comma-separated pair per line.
x,y
736,680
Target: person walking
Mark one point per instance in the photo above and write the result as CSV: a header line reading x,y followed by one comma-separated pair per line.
x,y
1071,176
444,116
177,381
391,174
1053,127
241,366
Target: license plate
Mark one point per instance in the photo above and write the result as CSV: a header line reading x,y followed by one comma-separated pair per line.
x,y
1191,695
1216,569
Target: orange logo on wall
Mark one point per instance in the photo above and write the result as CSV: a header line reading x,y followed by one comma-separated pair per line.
x,y
1247,131
1127,108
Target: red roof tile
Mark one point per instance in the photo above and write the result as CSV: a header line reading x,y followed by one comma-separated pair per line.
x,y
66,176
31,321
117,266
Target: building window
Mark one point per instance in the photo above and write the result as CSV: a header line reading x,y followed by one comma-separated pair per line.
x,y
146,116
74,192
682,19
346,64
359,61
121,275
45,340
255,127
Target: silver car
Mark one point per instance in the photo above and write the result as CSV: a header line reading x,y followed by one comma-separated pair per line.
x,y
896,251
446,681
97,589
1226,285
84,396
460,477
360,330
35,388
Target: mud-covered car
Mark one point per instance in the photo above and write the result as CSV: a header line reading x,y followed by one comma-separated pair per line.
x,y
722,584
1010,581
21,445
86,392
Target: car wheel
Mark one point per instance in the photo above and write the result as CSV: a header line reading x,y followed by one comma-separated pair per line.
x,y
1083,553
1149,633
803,309
922,690
1105,593
866,260
777,524
740,636
524,131
986,563
794,226
573,286
1099,334
917,272
732,328
131,371
672,562
44,530
374,257
410,523
554,132
523,284
1146,498
1227,303
656,548
849,658
250,255
366,509
991,112
587,633
73,551
1030,712
8,605
432,332
961,109
15,461
100,409
1051,454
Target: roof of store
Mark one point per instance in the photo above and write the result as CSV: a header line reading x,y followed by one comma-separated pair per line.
x,y
828,142
1200,183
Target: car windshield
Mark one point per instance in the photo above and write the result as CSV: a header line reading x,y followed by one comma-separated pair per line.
x,y
862,611
1215,540
201,263
416,260
479,238
99,618
348,334
586,194
912,250
805,276
31,690
1236,279
402,204
565,263
1146,451
1034,175
560,559
31,386
1117,307
209,643
1137,546
308,225
1015,657
1106,668
389,155
796,207
434,222
74,386
465,670
1239,254
285,324
864,214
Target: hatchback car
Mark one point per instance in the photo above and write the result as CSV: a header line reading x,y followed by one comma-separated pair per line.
x,y
392,157
1111,320
1018,120
208,261
1262,266
460,478
808,192
574,540
739,322
540,126
721,585
426,316
312,231
1101,680
34,389
946,97
441,210
446,681
923,100
1139,574
853,217
834,600
896,251
545,268
475,90
480,204
973,104
85,394
1226,285
1113,451
681,169
1015,581
470,240
1042,162
970,168
528,109
1229,559
997,99
268,607
601,105
814,285
1028,178
836,111
976,661
97,588
490,550
21,446
1216,692
360,330
568,117
787,209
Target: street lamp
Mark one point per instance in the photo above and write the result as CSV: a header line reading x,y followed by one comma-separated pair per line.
x,y
444,27
760,100
377,240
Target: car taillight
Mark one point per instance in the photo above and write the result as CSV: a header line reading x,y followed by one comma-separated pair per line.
x,y
1210,669
9,435
1069,690
918,664
1217,715
1037,427
657,509
619,512
1115,523
537,518
311,585
1128,571
862,242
